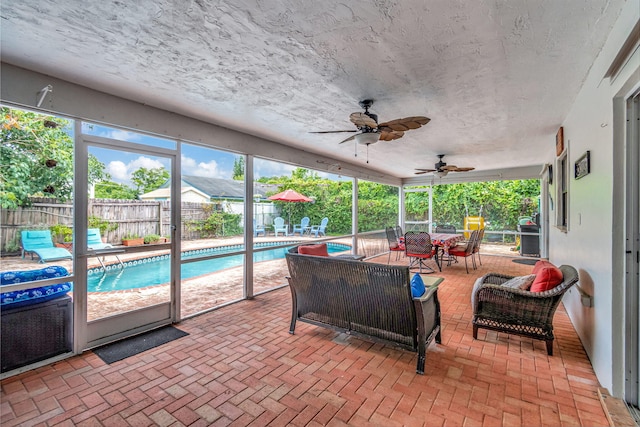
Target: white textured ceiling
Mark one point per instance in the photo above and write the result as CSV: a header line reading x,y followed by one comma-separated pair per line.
x,y
496,77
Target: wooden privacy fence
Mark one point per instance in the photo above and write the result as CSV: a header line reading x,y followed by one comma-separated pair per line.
x,y
141,217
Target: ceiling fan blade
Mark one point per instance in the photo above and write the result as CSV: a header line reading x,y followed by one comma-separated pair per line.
x,y
390,135
348,139
420,173
406,123
425,170
453,168
362,120
335,131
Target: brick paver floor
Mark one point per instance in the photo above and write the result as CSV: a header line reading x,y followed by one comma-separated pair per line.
x,y
240,366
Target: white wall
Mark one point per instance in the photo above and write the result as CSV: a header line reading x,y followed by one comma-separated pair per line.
x,y
588,244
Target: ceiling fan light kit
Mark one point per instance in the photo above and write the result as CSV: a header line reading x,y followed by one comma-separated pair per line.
x,y
367,138
441,174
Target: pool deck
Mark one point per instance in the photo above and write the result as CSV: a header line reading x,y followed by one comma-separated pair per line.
x,y
198,293
17,263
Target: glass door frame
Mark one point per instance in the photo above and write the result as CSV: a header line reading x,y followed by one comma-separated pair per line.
x,y
411,188
91,334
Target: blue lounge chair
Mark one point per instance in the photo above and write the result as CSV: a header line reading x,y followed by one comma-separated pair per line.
x,y
302,227
279,227
94,240
40,243
319,229
258,229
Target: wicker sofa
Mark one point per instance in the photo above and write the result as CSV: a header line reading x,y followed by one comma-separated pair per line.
x,y
519,312
367,300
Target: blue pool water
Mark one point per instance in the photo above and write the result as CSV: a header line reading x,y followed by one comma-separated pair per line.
x,y
155,270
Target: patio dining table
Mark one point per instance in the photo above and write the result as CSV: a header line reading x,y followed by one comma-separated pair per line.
x,y
444,241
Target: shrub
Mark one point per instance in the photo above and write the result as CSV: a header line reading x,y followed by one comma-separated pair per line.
x,y
61,233
102,224
151,238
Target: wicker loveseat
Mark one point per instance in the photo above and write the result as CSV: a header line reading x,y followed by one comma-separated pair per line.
x,y
519,312
367,300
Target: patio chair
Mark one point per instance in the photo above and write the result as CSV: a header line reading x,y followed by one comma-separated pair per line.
x,y
466,250
258,229
476,249
41,243
395,244
319,229
446,228
418,248
279,227
399,234
516,311
302,227
94,240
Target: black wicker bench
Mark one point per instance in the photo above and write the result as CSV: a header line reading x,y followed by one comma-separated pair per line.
x,y
367,300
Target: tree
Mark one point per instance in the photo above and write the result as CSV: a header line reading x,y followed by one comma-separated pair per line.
x,y
36,158
147,180
113,190
238,169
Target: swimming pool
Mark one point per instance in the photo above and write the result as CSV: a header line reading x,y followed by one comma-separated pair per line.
x,y
155,270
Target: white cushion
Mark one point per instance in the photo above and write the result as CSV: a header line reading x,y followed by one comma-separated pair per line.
x,y
520,282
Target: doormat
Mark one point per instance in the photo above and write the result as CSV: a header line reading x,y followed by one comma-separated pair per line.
x,y
127,347
525,261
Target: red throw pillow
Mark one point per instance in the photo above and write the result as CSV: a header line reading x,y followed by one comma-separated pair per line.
x,y
546,278
541,264
317,250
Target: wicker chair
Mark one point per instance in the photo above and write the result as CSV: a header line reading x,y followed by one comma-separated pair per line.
x,y
519,312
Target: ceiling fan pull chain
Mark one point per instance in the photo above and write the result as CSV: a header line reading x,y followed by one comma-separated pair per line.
x,y
368,153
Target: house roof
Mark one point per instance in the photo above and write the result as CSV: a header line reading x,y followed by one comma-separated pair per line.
x,y
165,193
218,188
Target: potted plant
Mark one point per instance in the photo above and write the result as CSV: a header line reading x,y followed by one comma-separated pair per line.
x,y
132,239
151,238
62,236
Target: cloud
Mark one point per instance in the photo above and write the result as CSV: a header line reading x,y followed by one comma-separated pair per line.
x,y
209,169
121,172
117,170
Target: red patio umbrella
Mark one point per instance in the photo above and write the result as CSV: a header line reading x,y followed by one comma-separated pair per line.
x,y
290,196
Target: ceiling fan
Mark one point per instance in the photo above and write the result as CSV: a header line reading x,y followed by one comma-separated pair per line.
x,y
442,169
369,131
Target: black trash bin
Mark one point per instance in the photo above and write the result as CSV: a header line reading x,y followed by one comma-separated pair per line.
x,y
529,245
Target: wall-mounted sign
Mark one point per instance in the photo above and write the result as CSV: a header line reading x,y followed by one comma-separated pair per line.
x,y
583,165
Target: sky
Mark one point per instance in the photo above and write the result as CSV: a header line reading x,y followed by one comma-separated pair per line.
x,y
196,160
